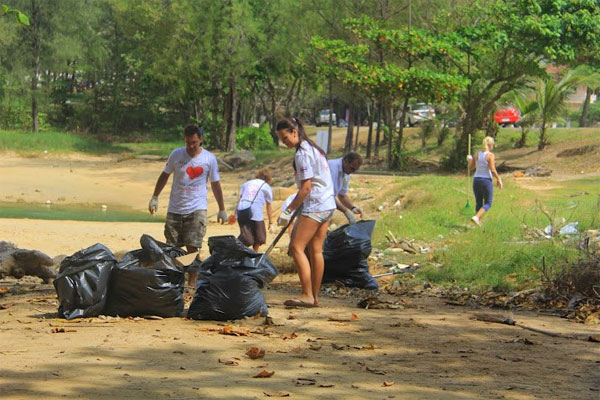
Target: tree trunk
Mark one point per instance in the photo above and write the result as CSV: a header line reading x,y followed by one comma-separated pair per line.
x,y
583,121
357,121
390,125
397,154
272,116
36,48
378,133
491,127
95,106
523,140
234,103
349,130
543,142
371,112
330,130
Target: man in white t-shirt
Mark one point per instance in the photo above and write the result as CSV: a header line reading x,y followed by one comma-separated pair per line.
x,y
192,167
341,168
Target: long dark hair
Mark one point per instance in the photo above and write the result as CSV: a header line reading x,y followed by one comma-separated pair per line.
x,y
290,124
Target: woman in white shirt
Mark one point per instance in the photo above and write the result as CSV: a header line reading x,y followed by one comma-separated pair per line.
x,y
315,196
253,195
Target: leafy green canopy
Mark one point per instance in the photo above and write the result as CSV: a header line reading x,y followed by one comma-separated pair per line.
x,y
389,63
501,44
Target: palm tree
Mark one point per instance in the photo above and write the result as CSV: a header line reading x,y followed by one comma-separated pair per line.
x,y
591,79
550,98
528,108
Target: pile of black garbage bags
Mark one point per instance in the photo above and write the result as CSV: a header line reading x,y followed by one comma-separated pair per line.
x,y
346,251
150,281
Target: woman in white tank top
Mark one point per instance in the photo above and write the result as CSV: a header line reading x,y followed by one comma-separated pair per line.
x,y
485,168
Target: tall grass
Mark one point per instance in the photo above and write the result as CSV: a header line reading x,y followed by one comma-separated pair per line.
x,y
501,254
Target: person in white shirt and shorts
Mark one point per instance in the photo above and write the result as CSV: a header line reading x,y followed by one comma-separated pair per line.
x,y
315,194
192,167
253,195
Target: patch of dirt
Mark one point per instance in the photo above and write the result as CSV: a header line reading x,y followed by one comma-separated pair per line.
x,y
419,347
425,349
578,151
587,162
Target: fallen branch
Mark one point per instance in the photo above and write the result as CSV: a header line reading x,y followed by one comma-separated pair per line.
x,y
500,319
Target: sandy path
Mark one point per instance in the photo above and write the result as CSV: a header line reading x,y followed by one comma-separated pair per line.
x,y
427,349
424,351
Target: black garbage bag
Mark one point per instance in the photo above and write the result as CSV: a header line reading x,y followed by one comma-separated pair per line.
x,y
146,282
82,282
229,282
345,252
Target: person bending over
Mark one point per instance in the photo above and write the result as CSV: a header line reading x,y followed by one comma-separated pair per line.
x,y
253,195
341,168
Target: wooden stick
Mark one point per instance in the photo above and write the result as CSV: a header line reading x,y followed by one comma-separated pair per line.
x,y
500,319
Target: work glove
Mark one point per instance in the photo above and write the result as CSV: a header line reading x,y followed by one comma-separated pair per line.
x,y
153,205
469,157
222,216
357,210
272,228
284,217
350,216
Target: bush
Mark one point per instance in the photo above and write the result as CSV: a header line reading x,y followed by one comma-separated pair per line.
x,y
15,115
251,138
429,128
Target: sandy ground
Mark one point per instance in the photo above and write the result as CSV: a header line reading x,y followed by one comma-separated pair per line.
x,y
424,349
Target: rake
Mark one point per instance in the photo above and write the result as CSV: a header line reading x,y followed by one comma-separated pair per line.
x,y
467,208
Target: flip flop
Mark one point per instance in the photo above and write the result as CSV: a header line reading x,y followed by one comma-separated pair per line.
x,y
298,303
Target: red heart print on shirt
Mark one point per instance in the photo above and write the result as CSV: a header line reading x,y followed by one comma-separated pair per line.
x,y
194,172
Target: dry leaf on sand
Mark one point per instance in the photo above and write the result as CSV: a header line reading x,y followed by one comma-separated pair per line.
x,y
264,374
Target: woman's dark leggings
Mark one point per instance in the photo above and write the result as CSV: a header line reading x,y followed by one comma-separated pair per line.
x,y
484,193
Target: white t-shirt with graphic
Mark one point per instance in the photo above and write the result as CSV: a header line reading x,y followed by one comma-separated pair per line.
x,y
249,190
341,181
311,164
190,175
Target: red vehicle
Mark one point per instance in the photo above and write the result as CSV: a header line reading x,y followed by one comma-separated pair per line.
x,y
506,116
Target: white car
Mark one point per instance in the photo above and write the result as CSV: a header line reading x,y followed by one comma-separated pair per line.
x,y
418,113
323,118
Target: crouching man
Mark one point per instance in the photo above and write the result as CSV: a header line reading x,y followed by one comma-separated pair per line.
x,y
340,169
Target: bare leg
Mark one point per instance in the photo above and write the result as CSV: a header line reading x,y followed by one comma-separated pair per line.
x,y
480,212
317,263
192,275
255,247
304,233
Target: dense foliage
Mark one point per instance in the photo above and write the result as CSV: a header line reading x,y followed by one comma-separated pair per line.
x,y
128,67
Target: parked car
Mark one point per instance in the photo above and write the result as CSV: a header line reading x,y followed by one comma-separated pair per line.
x,y
507,116
323,118
418,113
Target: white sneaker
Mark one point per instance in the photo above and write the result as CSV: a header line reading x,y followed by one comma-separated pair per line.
x,y
476,221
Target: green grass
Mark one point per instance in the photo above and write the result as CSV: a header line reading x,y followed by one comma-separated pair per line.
x,y
152,148
75,212
28,143
500,255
